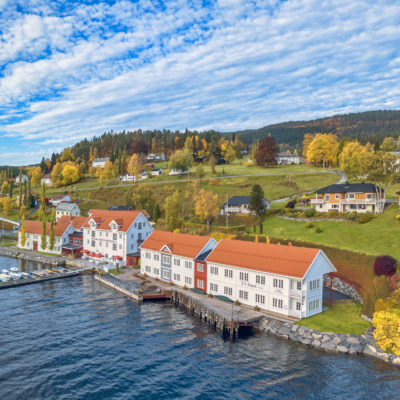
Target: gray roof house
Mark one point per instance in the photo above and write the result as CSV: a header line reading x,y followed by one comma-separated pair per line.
x,y
67,208
240,205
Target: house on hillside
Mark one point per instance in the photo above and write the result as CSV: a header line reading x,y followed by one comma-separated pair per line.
x,y
70,209
177,257
116,234
280,279
33,234
347,197
156,171
289,158
100,162
127,178
240,205
47,180
59,198
177,172
24,179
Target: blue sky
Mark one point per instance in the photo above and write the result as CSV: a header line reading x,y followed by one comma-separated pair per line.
x,y
75,69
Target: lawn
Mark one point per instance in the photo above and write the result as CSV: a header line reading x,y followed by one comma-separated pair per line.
x,y
377,237
115,272
341,318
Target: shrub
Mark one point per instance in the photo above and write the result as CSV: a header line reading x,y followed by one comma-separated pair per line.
x,y
318,229
387,330
256,308
213,182
290,204
237,302
185,287
332,214
363,219
385,265
308,224
398,217
171,283
310,213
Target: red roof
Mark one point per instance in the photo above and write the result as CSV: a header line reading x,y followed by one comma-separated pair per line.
x,y
271,258
123,218
78,222
35,227
180,244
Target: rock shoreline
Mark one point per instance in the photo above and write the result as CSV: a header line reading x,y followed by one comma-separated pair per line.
x,y
31,256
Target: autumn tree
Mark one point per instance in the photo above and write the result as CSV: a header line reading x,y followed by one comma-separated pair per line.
x,y
134,166
7,205
70,174
172,211
52,229
23,230
266,151
206,206
230,154
66,155
36,175
141,197
56,174
351,159
307,139
180,161
323,149
388,144
212,163
108,171
257,203
5,188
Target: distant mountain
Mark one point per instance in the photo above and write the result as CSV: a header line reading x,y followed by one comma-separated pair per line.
x,y
366,126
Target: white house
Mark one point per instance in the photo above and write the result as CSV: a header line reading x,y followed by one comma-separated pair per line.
x,y
289,158
59,198
70,209
156,172
281,279
127,178
24,179
33,235
47,180
177,172
100,162
240,205
116,234
173,256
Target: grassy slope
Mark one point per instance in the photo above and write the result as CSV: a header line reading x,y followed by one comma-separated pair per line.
x,y
341,318
376,237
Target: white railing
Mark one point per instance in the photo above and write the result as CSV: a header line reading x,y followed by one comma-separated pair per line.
x,y
358,201
317,201
295,293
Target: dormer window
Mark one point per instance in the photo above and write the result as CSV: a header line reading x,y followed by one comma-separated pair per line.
x,y
113,226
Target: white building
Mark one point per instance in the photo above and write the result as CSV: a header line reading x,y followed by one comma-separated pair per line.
x,y
177,172
59,198
70,209
116,234
240,205
156,172
281,279
100,162
289,158
172,256
24,179
127,178
33,235
47,180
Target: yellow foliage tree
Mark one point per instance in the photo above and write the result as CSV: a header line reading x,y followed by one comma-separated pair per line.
x,y
230,154
351,158
70,174
108,171
36,174
307,139
7,205
134,167
206,206
323,149
56,174
387,330
172,211
388,144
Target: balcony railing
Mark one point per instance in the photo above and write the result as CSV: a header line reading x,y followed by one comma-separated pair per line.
x,y
317,201
358,201
298,294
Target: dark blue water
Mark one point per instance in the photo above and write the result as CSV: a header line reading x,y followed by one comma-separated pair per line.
x,y
77,339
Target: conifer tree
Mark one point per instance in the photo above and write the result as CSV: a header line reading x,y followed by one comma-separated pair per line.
x,y
52,229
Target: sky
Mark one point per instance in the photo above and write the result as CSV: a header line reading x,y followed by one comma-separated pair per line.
x,y
76,69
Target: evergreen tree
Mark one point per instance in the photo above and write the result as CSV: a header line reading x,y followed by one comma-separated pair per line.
x,y
23,226
20,188
52,229
156,212
257,203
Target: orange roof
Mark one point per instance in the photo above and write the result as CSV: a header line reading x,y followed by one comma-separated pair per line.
x,y
35,227
123,218
180,244
78,222
271,258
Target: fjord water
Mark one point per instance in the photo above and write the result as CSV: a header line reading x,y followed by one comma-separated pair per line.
x,y
76,339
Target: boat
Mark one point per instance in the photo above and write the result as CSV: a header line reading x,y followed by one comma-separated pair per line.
x,y
5,277
15,273
38,273
24,275
11,275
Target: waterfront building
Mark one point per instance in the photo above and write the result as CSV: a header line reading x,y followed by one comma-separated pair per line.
x,y
173,257
70,209
115,234
74,247
281,279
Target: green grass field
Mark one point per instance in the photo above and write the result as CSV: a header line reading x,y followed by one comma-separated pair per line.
x,y
377,237
341,318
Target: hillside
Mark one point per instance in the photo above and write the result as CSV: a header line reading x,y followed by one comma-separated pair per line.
x,y
365,126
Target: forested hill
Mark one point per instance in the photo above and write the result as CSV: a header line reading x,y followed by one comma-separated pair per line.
x,y
365,126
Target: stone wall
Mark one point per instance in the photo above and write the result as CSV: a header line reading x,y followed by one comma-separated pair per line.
x,y
31,256
343,287
332,342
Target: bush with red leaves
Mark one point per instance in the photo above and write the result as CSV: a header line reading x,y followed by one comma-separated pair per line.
x,y
385,265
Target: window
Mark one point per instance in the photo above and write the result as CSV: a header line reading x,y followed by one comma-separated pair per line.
x,y
115,236
260,279
200,283
278,283
327,197
177,261
214,270
177,277
337,196
148,269
277,303
120,235
313,305
139,225
335,206
298,285
120,246
260,298
93,234
188,264
188,280
298,306
156,271
228,273
243,276
243,294
93,243
100,234
314,284
370,196
131,235
148,255
139,237
165,259
114,246
200,267
166,274
213,287
131,246
106,244
156,257
228,290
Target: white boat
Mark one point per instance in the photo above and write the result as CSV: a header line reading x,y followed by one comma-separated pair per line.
x,y
24,275
14,269
5,277
15,276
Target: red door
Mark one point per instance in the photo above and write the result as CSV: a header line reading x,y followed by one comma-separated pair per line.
x,y
35,246
200,276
